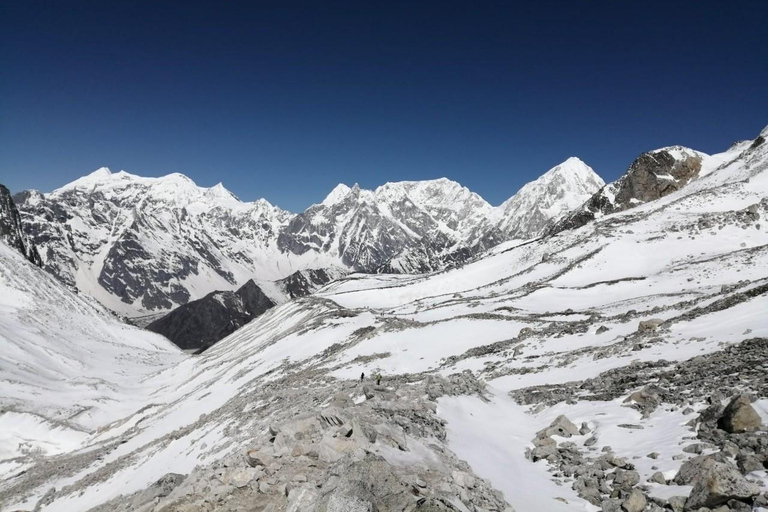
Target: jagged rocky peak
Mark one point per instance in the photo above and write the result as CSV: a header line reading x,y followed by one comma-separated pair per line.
x,y
11,230
541,203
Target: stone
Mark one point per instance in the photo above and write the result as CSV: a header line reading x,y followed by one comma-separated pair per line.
x,y
611,505
591,441
677,503
738,506
694,468
696,448
658,478
625,479
584,430
601,329
653,455
649,325
635,502
257,458
242,477
721,483
562,426
748,462
739,416
543,441
342,503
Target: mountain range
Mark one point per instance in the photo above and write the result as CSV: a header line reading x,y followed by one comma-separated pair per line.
x,y
146,245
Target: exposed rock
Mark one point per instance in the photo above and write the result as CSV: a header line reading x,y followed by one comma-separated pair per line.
x,y
720,483
635,502
561,426
11,230
649,325
739,416
625,480
200,323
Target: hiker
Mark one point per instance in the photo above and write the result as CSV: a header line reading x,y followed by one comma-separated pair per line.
x,y
362,377
378,379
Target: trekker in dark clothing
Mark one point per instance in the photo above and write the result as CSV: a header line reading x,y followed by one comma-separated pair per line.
x,y
362,377
378,379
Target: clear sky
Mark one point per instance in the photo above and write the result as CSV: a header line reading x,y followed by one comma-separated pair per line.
x,y
285,99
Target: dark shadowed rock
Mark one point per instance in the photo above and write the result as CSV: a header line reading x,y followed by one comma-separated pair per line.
x,y
11,231
199,324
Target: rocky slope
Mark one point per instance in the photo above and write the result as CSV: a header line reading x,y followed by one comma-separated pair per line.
x,y
11,230
146,245
200,323
568,373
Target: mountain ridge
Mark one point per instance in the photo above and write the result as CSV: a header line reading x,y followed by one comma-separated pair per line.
x,y
144,244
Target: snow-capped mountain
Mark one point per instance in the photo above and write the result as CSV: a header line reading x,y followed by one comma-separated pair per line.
x,y
143,245
367,229
543,202
602,368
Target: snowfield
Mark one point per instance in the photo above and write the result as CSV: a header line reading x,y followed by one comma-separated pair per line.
x,y
99,410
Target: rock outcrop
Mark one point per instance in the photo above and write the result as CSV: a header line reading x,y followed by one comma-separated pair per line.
x,y
651,176
199,324
11,231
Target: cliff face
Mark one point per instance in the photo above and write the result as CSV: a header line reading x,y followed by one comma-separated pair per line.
x,y
10,228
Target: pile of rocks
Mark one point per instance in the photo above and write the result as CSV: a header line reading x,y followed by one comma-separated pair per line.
x,y
718,480
345,454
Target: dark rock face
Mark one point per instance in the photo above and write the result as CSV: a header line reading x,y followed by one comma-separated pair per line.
x,y
651,176
305,282
11,230
199,324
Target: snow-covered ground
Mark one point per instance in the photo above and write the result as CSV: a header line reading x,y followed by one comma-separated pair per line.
x,y
122,407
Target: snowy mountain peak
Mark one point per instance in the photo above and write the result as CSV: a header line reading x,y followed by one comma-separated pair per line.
x,y
218,191
542,202
337,194
101,172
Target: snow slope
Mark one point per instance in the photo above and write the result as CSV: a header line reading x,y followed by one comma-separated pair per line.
x,y
526,314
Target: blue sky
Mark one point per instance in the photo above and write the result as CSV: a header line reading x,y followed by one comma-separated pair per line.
x,y
283,100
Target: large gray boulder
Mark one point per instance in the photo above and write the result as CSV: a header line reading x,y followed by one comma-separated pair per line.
x,y
635,502
721,482
694,468
562,426
739,416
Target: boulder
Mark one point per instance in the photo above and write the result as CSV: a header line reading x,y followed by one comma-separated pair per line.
x,y
562,426
625,480
677,503
739,416
649,325
257,458
694,468
721,482
635,502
